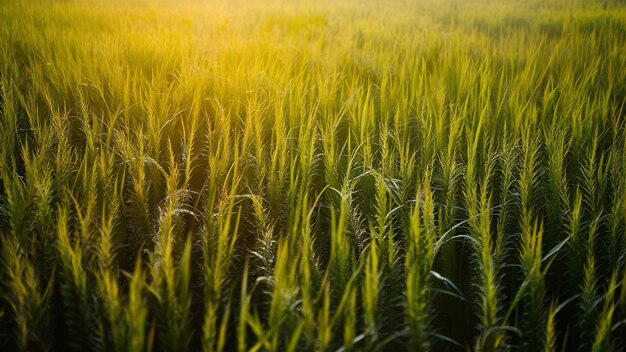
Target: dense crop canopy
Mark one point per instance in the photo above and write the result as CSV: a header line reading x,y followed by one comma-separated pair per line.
x,y
291,176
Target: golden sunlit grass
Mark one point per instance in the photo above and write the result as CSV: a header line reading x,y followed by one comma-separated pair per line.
x,y
294,176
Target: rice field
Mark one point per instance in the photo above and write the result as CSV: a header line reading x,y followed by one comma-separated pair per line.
x,y
284,175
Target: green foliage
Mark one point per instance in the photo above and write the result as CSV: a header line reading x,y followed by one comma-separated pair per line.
x,y
289,176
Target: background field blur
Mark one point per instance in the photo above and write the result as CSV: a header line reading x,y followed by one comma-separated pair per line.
x,y
299,176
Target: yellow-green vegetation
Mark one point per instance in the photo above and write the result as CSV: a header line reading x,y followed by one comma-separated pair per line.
x,y
313,176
